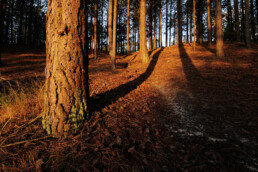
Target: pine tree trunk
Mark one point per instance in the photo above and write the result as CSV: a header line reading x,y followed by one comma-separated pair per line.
x,y
247,31
150,27
209,22
128,26
252,19
179,22
219,32
194,25
65,108
110,26
237,30
95,28
113,56
166,23
242,21
142,31
191,27
155,39
160,27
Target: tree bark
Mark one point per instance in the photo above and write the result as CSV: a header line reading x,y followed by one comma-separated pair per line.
x,y
237,30
150,26
128,27
65,105
113,57
209,22
110,26
194,25
219,32
179,22
247,31
95,28
142,29
252,19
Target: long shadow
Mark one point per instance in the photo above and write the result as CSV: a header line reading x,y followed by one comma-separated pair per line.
x,y
104,99
193,76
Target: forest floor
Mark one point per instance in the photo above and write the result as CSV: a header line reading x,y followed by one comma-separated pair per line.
x,y
183,111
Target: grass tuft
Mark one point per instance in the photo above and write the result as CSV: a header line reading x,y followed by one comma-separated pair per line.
x,y
21,99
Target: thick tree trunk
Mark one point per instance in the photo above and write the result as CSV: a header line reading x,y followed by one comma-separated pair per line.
x,y
237,30
95,28
113,56
219,32
194,25
110,26
128,27
142,30
65,107
247,31
179,22
209,22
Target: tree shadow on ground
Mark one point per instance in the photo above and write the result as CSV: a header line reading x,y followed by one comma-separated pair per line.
x,y
102,100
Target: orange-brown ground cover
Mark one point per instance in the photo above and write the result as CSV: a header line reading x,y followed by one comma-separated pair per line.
x,y
184,110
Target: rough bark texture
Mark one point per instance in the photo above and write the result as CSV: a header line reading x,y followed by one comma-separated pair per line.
x,y
247,31
128,26
142,22
179,22
219,32
194,24
95,28
209,21
237,30
113,56
65,107
110,26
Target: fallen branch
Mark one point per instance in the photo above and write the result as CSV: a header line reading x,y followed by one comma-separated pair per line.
x,y
25,141
26,125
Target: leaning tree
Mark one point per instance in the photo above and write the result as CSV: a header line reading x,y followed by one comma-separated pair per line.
x,y
65,107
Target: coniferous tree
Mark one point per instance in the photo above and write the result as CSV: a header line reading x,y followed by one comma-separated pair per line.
x,y
219,32
247,32
113,56
65,107
142,31
237,30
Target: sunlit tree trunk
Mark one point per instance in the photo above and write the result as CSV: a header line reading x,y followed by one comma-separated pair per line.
x,y
95,28
128,26
154,38
65,107
194,41
150,27
113,56
237,30
179,22
110,26
247,31
142,30
209,22
219,32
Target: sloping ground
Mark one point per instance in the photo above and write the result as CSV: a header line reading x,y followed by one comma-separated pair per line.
x,y
183,111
